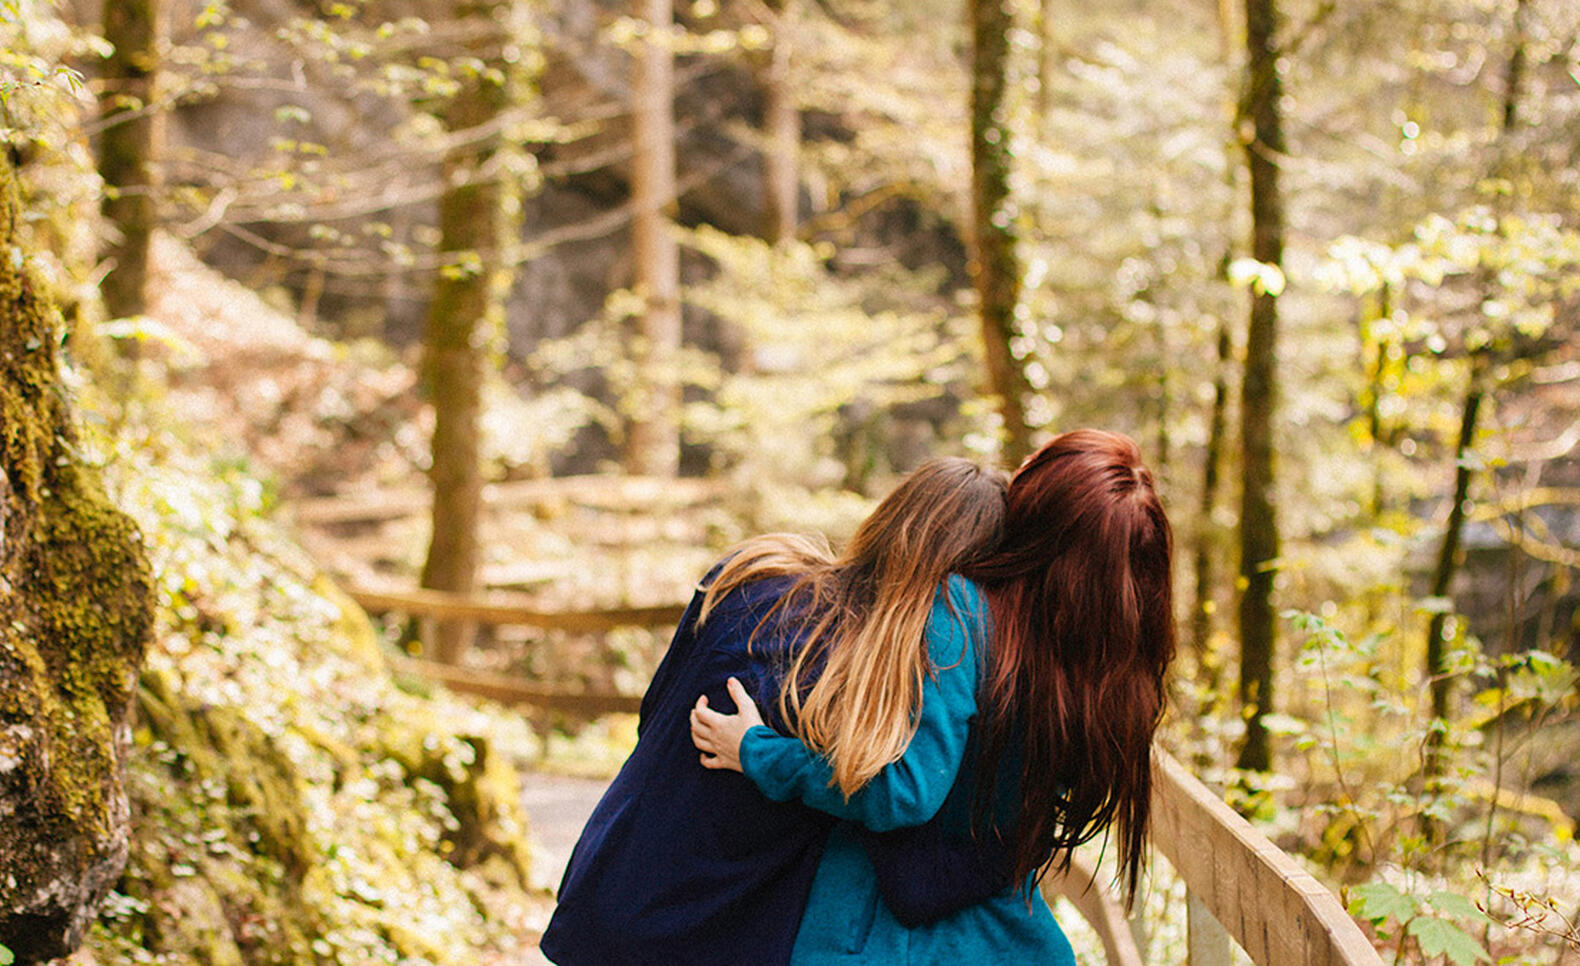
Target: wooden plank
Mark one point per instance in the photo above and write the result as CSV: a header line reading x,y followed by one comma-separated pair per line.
x,y
614,493
1275,910
1206,941
1100,909
502,609
510,690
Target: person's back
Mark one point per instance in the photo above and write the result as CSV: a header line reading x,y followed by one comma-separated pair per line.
x,y
679,863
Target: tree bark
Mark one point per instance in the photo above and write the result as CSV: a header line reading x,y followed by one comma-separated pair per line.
x,y
781,131
1258,391
652,445
1448,550
995,270
126,151
1211,472
465,313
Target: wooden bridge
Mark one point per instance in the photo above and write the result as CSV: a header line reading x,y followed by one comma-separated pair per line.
x,y
1241,889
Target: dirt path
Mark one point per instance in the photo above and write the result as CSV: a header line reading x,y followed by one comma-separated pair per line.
x,y
558,807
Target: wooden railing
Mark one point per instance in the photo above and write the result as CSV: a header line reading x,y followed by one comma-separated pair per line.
x,y
506,611
1240,888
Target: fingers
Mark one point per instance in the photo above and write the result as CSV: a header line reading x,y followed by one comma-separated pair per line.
x,y
744,705
706,718
705,730
738,693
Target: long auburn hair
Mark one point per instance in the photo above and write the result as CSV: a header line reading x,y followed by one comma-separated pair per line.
x,y
853,690
1081,596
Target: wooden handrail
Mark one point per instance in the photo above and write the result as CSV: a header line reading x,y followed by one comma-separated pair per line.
x,y
596,492
514,691
1239,886
1275,910
502,609
1100,909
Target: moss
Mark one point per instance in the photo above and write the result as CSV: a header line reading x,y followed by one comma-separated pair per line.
x,y
481,791
227,838
225,748
76,612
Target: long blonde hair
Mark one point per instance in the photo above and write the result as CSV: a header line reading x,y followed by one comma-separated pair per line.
x,y
853,690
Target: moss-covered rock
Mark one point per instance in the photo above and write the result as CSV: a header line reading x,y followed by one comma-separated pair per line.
x,y
293,807
75,616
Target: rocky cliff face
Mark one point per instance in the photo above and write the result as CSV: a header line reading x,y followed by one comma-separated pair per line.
x,y
75,617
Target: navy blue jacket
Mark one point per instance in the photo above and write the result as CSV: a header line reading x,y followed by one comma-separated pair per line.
x,y
679,863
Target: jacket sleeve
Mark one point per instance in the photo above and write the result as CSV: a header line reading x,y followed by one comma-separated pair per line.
x,y
910,790
924,877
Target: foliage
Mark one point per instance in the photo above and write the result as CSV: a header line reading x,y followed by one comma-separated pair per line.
x,y
296,807
815,343
1434,924
1353,719
815,362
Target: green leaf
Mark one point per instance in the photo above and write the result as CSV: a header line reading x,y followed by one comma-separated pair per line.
x,y
1377,901
1455,906
6,956
1439,937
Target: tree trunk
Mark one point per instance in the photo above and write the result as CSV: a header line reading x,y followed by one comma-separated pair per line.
x,y
996,269
1212,469
781,132
465,314
1448,551
652,444
1258,391
126,151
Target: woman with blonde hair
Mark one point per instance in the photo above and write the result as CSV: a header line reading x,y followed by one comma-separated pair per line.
x,y
681,863
1079,595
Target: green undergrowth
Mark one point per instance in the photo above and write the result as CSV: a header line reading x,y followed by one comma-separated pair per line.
x,y
291,804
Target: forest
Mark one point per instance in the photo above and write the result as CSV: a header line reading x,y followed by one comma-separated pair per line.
x,y
379,377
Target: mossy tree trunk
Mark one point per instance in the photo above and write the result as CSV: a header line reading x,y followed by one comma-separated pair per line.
x,y
126,150
76,608
464,317
781,130
1259,390
995,267
652,443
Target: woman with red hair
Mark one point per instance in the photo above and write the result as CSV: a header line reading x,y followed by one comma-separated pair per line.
x,y
1070,691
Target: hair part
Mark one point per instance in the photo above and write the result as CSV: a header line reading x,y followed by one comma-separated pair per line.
x,y
853,690
1081,596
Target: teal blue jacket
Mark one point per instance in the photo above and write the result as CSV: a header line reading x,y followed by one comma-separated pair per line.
x,y
845,921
